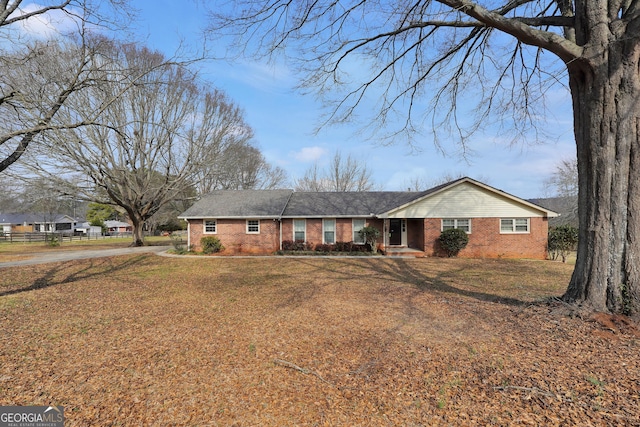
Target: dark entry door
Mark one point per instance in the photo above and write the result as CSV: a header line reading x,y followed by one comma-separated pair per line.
x,y
395,232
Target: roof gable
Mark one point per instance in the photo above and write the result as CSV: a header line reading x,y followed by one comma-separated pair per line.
x,y
466,197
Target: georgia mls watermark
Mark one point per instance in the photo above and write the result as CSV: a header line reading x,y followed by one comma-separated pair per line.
x,y
31,416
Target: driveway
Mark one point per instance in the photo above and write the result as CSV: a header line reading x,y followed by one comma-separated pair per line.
x,y
48,257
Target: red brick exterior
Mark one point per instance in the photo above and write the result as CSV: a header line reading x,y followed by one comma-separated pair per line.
x,y
234,237
485,240
344,229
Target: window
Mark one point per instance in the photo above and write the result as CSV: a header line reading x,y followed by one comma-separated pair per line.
x,y
514,225
358,224
253,226
329,231
299,230
462,224
210,226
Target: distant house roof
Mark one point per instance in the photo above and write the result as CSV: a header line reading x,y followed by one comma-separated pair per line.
x,y
567,207
30,218
116,224
14,218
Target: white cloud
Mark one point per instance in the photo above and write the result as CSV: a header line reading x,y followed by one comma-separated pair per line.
x,y
44,26
308,154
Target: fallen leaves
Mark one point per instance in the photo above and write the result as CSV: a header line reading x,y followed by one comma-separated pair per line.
x,y
154,341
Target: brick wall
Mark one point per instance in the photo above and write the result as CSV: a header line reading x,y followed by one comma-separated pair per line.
x,y
233,235
486,241
344,229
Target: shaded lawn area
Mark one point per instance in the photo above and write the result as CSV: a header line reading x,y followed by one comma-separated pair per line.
x,y
147,340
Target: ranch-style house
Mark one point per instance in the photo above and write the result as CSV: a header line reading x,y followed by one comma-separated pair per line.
x,y
259,221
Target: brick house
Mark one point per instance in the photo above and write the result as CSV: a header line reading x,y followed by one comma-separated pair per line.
x,y
258,221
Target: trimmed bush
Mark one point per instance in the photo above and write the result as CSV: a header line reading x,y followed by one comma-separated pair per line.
x,y
453,240
298,245
211,245
562,240
289,246
324,247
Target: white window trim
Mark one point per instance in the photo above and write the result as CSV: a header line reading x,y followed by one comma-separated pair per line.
x,y
294,229
513,226
204,226
247,226
455,223
353,230
335,225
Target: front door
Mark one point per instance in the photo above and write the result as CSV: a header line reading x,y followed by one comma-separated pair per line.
x,y
395,232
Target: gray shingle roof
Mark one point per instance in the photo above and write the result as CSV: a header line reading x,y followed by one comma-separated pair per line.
x,y
290,204
20,218
347,204
240,204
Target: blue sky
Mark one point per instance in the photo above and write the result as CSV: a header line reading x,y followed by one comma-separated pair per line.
x,y
284,121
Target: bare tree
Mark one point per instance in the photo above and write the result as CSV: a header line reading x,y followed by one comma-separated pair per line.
x,y
564,181
505,56
152,140
44,64
236,164
341,175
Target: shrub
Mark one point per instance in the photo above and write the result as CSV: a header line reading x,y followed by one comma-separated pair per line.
x,y
52,240
453,240
177,242
562,240
324,247
297,245
211,245
345,247
370,235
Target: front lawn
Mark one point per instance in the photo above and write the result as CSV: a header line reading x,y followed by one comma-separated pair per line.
x,y
149,340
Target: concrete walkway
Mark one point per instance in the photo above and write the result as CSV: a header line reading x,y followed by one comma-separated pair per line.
x,y
61,256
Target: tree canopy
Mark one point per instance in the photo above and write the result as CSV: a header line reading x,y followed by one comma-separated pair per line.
x,y
151,143
42,68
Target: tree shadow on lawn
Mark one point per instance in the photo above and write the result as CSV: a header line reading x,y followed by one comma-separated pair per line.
x,y
402,272
87,269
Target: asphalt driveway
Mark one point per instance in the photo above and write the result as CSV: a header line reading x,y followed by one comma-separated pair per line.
x,y
48,257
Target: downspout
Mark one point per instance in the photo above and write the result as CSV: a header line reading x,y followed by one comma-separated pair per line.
x,y
280,217
189,234
384,235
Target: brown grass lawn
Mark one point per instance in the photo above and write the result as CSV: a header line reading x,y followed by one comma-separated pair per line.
x,y
148,340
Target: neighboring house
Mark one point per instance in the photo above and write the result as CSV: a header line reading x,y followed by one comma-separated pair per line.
x,y
16,223
54,224
258,221
38,223
118,227
86,229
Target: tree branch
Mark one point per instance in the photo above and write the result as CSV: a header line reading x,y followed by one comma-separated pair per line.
x,y
565,49
4,16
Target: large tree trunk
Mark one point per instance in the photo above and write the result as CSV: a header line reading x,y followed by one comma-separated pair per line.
x,y
137,224
606,101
